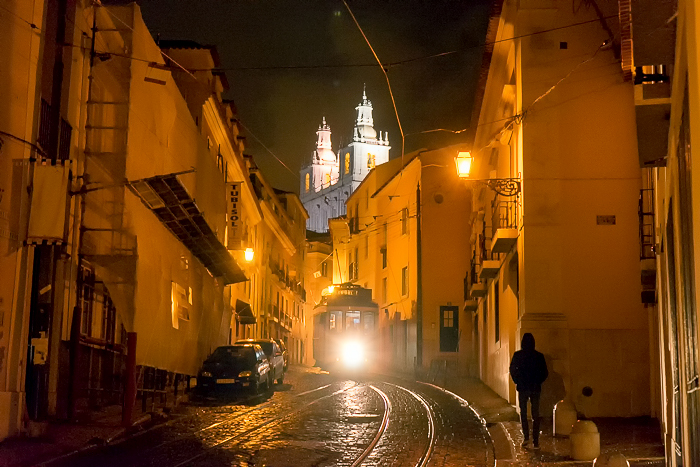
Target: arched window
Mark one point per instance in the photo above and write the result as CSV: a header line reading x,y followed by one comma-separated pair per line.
x,y
370,160
307,182
326,180
347,163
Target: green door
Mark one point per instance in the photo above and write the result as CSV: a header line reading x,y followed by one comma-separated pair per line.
x,y
449,328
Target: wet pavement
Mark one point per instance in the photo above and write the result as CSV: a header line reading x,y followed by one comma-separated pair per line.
x,y
315,419
322,419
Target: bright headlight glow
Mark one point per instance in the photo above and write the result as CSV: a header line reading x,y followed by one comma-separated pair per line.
x,y
244,374
206,374
353,354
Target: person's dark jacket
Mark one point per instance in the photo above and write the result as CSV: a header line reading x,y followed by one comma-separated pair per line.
x,y
528,368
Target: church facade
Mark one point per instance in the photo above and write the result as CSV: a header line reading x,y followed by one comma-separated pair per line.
x,y
331,178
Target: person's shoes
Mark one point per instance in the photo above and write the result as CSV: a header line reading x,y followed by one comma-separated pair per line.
x,y
525,443
536,444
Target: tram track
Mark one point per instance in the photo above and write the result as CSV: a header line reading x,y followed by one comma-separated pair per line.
x,y
232,419
380,431
425,457
267,423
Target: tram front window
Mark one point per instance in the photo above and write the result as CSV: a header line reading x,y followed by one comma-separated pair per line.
x,y
352,321
368,320
336,321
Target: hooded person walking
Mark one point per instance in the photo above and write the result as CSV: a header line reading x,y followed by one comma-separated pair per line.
x,y
529,370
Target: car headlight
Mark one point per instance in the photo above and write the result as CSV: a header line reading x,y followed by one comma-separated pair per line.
x,y
245,374
353,353
206,374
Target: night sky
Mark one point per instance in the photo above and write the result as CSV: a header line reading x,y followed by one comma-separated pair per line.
x,y
282,104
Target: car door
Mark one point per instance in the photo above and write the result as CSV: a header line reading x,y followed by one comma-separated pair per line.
x,y
263,366
277,360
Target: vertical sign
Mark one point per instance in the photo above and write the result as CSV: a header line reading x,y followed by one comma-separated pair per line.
x,y
233,213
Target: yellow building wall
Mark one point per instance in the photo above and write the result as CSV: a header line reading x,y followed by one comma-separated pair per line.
x,y
574,145
445,225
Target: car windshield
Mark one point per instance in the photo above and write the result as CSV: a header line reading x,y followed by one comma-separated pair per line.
x,y
238,356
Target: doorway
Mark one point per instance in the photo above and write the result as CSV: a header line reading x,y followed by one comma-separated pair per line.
x,y
449,328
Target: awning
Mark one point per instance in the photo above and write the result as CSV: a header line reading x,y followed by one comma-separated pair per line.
x,y
244,313
171,203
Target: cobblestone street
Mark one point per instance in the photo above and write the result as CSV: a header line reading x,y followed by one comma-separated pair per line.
x,y
314,419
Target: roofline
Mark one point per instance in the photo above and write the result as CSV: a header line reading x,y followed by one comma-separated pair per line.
x,y
491,34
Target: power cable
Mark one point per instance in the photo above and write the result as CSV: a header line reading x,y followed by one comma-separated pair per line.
x,y
29,23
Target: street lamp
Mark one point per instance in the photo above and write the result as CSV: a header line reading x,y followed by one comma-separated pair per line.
x,y
249,254
502,186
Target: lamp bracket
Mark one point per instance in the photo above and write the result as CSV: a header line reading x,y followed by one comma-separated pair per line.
x,y
502,186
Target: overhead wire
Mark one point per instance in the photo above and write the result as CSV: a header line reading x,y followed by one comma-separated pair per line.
x,y
386,75
29,23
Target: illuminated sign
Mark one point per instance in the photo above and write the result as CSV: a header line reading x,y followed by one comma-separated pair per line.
x,y
233,213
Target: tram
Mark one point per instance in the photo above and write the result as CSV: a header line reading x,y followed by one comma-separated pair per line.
x,y
346,329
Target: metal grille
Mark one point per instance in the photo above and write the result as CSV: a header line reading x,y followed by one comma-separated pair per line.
x,y
44,125
64,140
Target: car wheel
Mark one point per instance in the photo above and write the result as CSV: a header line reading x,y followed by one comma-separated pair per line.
x,y
280,380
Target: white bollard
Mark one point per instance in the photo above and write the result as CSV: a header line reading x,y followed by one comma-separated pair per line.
x,y
611,460
564,418
585,441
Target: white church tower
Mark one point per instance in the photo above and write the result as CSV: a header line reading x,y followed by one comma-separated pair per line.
x,y
324,163
328,182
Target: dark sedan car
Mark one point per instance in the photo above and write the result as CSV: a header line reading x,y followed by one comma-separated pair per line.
x,y
274,356
238,367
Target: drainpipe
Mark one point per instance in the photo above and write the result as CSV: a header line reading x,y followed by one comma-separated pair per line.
x,y
419,284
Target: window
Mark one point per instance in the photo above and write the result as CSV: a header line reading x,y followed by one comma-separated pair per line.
x,y
371,158
404,221
307,182
87,296
357,263
385,297
448,318
352,266
324,269
404,281
382,250
326,180
347,163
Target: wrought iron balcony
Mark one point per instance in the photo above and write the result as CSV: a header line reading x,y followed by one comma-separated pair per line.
x,y
504,224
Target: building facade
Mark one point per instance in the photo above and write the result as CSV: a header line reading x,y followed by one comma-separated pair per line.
x,y
665,72
559,258
126,208
327,183
395,240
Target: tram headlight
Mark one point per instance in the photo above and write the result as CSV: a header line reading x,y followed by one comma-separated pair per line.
x,y
353,354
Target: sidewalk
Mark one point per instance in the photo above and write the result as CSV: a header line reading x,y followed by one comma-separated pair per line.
x,y
62,439
638,439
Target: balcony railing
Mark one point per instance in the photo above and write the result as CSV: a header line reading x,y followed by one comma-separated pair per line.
x,y
504,215
646,223
472,276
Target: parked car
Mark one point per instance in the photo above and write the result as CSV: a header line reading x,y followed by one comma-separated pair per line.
x,y
237,368
274,356
285,355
